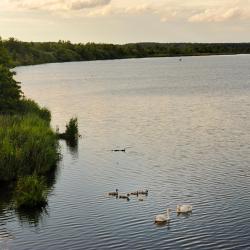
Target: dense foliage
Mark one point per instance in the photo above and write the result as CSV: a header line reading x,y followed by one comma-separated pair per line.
x,y
27,146
71,132
72,129
27,143
28,106
10,90
26,53
30,192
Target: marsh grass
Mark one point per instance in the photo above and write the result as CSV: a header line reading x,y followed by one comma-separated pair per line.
x,y
30,193
27,146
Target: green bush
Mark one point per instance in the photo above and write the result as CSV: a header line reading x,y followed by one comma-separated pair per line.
x,y
71,134
30,192
27,146
72,129
10,91
28,106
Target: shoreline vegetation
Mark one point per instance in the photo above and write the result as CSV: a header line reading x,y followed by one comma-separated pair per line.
x,y
29,148
71,134
31,53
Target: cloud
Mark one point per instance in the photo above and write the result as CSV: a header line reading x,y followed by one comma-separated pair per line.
x,y
121,11
164,12
192,11
58,5
83,4
218,15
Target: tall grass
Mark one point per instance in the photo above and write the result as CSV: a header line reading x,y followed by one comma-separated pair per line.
x,y
27,146
30,192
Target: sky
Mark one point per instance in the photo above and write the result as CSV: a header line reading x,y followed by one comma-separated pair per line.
x,y
125,21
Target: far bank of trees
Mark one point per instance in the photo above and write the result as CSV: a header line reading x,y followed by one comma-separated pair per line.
x,y
28,53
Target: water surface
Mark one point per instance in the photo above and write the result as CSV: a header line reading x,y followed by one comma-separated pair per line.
x,y
186,128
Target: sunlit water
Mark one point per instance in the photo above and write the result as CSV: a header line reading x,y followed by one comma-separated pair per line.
x,y
186,127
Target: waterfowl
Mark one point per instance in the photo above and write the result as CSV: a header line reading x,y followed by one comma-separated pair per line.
x,y
114,193
134,193
143,192
184,208
162,218
119,150
124,197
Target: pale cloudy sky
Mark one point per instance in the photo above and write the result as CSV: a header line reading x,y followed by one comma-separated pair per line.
x,y
122,21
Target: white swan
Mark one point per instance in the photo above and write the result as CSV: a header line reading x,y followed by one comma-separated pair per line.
x,y
184,208
161,218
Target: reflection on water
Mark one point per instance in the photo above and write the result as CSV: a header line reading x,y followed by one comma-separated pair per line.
x,y
73,147
187,127
185,215
165,225
25,216
5,238
32,217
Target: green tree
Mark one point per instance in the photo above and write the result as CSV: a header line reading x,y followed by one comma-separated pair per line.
x,y
10,90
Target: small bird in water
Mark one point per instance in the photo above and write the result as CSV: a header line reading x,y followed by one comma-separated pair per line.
x,y
124,197
143,192
135,193
114,193
119,150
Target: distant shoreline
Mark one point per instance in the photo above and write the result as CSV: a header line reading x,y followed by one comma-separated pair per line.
x,y
132,58
34,53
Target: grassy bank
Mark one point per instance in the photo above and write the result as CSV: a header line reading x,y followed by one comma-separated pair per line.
x,y
27,146
30,192
28,53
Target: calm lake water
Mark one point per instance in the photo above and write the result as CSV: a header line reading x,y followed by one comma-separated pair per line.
x,y
186,127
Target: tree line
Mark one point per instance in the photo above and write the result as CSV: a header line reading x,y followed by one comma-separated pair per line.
x,y
28,53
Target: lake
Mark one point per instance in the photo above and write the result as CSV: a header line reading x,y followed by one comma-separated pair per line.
x,y
185,126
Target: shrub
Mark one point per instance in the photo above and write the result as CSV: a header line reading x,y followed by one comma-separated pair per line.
x,y
71,133
30,192
28,106
10,91
72,129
